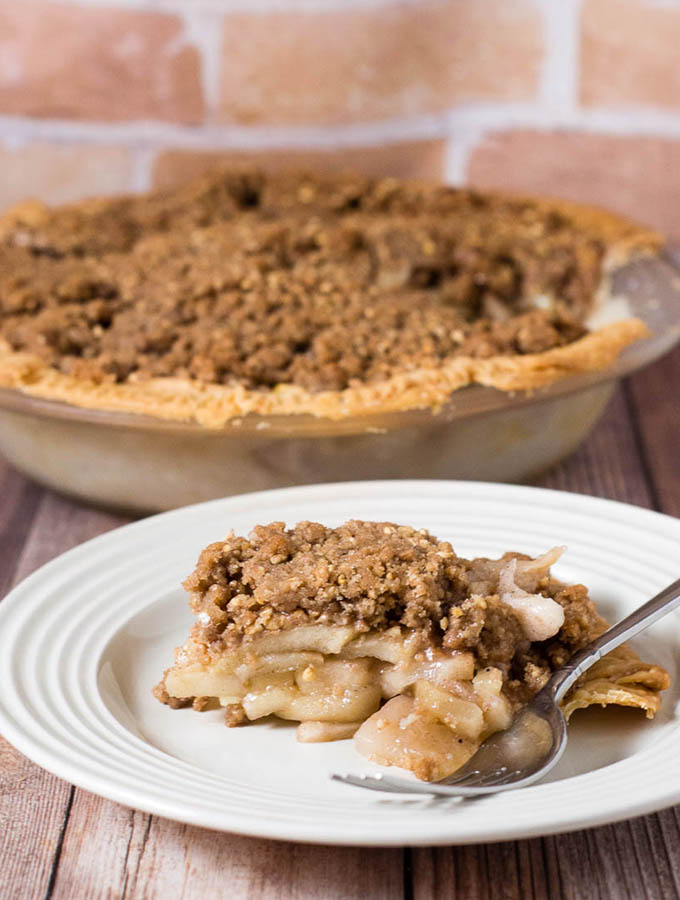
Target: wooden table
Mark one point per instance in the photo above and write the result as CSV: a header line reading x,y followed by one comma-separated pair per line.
x,y
57,841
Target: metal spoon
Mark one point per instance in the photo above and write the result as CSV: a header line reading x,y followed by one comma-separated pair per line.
x,y
537,738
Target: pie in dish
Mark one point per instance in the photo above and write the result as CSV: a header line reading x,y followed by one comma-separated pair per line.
x,y
382,632
333,296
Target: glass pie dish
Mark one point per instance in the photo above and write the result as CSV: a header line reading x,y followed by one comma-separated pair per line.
x,y
142,464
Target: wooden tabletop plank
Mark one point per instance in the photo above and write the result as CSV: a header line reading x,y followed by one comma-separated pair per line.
x,y
18,506
655,397
211,863
667,859
32,813
647,842
110,851
58,526
101,851
608,464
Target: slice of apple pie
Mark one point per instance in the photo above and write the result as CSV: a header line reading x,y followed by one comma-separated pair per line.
x,y
382,632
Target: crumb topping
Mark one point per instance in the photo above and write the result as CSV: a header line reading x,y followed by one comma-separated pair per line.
x,y
323,282
367,574
373,575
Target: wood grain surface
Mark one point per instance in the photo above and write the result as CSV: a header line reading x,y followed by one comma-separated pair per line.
x,y
57,841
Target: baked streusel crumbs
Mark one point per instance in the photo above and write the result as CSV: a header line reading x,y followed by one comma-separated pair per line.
x,y
320,282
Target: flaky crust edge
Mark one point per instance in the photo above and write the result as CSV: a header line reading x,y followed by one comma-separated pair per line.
x,y
213,406
620,678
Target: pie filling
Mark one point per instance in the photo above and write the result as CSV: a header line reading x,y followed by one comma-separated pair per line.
x,y
241,284
383,633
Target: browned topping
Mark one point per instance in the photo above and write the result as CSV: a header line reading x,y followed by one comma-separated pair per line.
x,y
234,715
485,625
319,282
202,703
368,574
532,666
161,694
374,575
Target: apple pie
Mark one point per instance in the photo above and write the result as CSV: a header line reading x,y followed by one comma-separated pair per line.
x,y
382,633
327,295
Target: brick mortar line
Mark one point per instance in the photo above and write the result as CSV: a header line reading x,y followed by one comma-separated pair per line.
x,y
240,6
459,150
19,130
142,168
465,120
559,78
203,30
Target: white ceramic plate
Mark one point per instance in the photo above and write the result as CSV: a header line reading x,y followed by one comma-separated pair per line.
x,y
84,639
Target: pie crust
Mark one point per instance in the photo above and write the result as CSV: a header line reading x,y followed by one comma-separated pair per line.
x,y
323,626
556,242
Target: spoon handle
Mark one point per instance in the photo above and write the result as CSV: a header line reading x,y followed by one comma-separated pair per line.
x,y
637,621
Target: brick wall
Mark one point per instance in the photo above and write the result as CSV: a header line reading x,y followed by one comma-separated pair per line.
x,y
579,98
